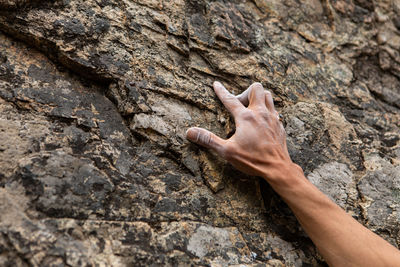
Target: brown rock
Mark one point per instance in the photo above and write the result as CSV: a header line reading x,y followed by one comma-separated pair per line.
x,y
96,96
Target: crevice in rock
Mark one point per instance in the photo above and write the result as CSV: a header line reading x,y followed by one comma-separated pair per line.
x,y
52,52
135,196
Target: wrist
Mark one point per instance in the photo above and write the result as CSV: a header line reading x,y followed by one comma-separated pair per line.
x,y
284,175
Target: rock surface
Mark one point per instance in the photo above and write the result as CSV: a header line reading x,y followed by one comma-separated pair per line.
x,y
96,96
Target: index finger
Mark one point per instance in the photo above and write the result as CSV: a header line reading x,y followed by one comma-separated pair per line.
x,y
232,104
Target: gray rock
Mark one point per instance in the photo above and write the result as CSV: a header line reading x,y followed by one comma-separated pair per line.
x,y
96,96
335,180
379,189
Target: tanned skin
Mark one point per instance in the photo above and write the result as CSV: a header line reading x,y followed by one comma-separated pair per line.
x,y
258,148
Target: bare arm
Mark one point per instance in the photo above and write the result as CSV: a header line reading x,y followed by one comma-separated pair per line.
x,y
258,147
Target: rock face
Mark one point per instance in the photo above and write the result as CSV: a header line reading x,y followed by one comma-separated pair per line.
x,y
96,96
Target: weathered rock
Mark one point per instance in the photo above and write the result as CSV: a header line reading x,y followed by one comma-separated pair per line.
x,y
336,180
96,96
380,192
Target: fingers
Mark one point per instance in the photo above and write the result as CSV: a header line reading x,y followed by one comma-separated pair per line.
x,y
256,96
244,98
232,104
205,138
269,102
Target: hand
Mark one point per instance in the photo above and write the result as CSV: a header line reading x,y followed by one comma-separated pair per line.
x,y
258,146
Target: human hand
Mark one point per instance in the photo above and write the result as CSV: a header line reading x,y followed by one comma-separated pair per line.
x,y
258,146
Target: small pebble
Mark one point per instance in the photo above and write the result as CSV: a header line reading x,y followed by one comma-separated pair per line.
x,y
381,17
382,39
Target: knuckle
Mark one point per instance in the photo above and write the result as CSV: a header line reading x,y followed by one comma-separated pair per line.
x,y
229,99
260,112
247,115
204,138
264,114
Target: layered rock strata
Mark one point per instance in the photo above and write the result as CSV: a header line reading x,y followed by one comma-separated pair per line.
x,y
96,96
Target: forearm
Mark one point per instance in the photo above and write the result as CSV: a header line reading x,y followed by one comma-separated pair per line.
x,y
341,240
258,147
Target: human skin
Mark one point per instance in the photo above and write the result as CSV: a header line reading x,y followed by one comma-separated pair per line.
x,y
258,148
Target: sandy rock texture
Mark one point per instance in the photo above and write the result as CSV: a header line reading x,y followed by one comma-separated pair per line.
x,y
96,96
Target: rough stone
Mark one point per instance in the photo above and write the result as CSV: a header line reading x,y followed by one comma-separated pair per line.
x,y
336,180
380,192
96,96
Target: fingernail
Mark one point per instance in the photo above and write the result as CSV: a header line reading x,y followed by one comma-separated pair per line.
x,y
191,134
257,84
217,84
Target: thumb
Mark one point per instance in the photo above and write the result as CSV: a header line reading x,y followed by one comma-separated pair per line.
x,y
205,138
